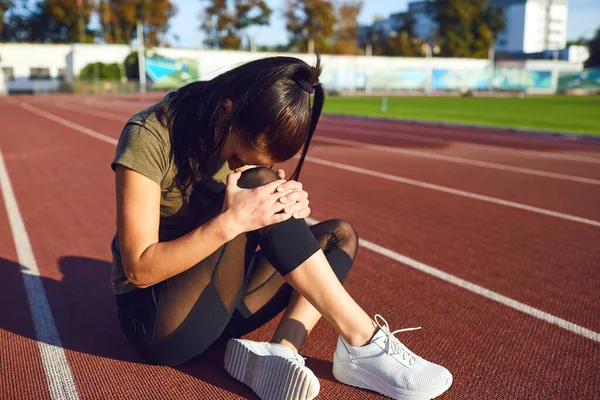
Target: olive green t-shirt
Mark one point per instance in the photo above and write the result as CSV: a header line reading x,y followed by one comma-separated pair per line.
x,y
144,146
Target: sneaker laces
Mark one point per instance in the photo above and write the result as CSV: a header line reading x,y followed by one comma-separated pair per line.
x,y
395,346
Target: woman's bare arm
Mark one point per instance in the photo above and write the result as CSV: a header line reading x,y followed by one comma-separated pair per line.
x,y
147,261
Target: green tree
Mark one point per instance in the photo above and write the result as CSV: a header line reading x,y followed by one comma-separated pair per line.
x,y
100,71
119,20
402,42
14,21
594,46
132,69
308,20
467,28
5,5
66,21
55,21
346,28
63,21
224,22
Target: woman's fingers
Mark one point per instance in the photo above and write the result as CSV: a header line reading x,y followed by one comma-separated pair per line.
x,y
290,185
302,214
281,173
270,188
296,208
293,196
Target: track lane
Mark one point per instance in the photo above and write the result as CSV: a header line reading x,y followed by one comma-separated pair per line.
x,y
585,146
574,198
543,161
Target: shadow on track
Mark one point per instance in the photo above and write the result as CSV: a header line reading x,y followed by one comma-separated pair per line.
x,y
85,314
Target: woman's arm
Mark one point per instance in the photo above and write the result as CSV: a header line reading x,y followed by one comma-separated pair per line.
x,y
147,261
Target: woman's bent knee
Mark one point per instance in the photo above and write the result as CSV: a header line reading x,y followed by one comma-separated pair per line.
x,y
255,177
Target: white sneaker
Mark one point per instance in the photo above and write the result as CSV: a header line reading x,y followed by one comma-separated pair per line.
x,y
387,366
272,371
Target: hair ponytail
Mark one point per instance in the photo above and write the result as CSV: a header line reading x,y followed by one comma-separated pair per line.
x,y
317,107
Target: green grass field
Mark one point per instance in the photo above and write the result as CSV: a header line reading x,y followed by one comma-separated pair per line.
x,y
553,113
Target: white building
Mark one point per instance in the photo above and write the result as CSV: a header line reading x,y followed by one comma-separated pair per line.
x,y
31,67
533,26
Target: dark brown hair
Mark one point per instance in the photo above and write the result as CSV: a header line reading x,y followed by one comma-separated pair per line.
x,y
271,108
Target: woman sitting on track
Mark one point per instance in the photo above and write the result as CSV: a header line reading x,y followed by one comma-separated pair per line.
x,y
194,201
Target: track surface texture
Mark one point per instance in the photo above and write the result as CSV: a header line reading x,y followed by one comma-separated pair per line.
x,y
487,239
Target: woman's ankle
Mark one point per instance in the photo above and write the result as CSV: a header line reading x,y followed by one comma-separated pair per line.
x,y
360,338
286,343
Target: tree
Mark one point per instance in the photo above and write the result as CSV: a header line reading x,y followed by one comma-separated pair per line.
x,y
5,5
308,20
401,42
119,19
224,22
346,29
66,21
468,28
14,21
100,71
63,21
594,46
132,66
55,21
579,42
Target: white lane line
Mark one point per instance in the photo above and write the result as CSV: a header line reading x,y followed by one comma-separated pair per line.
x,y
58,373
459,160
97,113
488,294
69,124
374,131
456,192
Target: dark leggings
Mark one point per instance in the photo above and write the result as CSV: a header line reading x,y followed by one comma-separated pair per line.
x,y
234,290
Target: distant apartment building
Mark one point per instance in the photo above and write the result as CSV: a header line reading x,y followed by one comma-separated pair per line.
x,y
424,24
532,26
381,28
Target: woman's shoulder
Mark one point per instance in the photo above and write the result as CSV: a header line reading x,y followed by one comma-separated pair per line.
x,y
151,121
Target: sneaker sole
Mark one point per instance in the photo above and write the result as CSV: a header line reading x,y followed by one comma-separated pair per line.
x,y
359,377
270,377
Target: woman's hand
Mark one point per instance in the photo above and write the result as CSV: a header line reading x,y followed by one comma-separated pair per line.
x,y
251,209
296,203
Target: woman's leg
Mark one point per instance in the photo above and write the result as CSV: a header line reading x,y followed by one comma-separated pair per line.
x,y
267,293
368,354
287,247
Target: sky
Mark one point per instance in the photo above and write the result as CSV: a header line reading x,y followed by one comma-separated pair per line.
x,y
583,20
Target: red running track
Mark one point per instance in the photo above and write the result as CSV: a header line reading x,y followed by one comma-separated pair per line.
x,y
549,264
